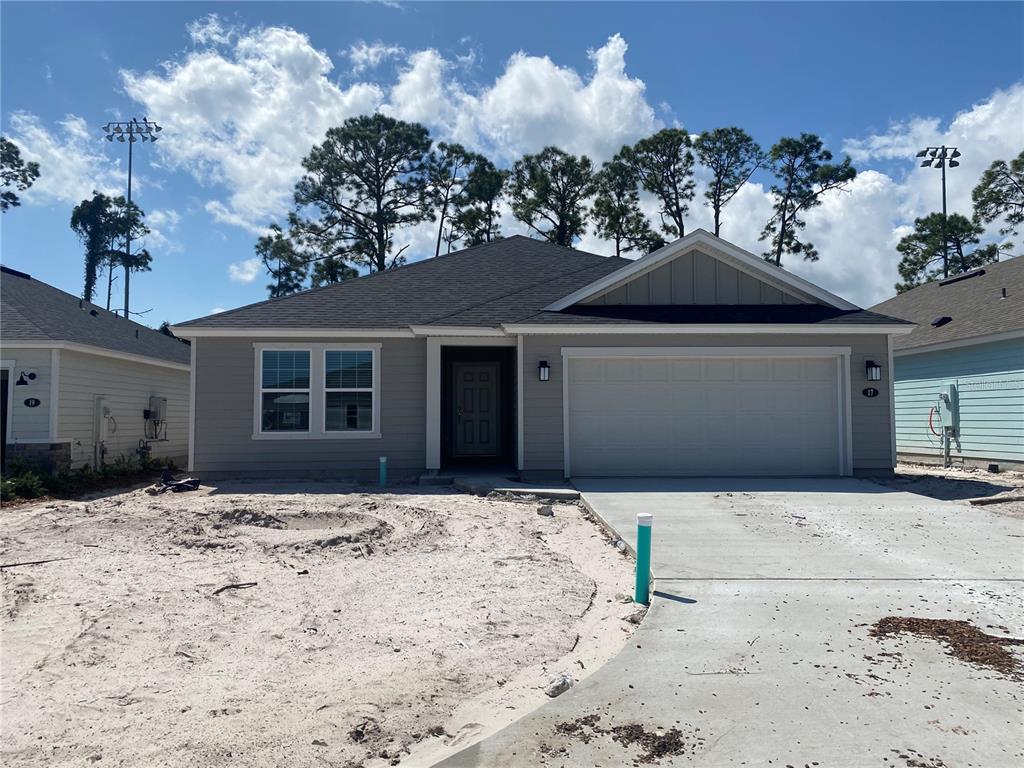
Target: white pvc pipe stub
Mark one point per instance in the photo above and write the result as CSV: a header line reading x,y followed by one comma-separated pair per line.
x,y
645,519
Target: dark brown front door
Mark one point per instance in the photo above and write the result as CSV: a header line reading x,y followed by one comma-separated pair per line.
x,y
477,420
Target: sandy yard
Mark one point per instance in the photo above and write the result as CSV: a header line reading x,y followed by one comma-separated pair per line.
x,y
380,627
960,483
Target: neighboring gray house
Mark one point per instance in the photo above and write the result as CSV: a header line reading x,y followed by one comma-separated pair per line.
x,y
962,369
698,359
80,385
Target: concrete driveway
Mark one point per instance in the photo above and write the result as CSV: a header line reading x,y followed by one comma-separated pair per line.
x,y
758,646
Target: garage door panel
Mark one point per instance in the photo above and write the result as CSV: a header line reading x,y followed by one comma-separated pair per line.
x,y
703,416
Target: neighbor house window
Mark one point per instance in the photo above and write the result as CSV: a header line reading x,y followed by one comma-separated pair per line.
x,y
284,390
348,390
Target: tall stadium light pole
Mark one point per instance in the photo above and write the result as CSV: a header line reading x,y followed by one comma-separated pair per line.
x,y
940,157
128,132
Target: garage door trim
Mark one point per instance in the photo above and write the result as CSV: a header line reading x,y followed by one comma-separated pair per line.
x,y
841,355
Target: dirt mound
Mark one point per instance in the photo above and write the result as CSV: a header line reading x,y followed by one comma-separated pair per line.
x,y
250,517
963,640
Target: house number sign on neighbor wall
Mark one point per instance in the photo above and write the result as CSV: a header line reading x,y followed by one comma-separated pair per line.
x,y
870,392
32,402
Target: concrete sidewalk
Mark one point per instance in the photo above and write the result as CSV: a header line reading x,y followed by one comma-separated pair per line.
x,y
757,648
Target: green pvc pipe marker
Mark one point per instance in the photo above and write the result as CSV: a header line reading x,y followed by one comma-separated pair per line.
x,y
383,471
644,521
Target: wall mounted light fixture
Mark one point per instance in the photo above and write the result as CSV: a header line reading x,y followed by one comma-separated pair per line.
x,y
872,371
543,370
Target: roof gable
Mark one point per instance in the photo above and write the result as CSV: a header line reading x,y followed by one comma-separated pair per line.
x,y
700,269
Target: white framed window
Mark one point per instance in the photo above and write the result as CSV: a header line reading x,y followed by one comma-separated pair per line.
x,y
284,384
317,391
348,390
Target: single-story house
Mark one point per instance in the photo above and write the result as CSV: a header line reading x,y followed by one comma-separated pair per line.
x,y
81,385
519,355
961,371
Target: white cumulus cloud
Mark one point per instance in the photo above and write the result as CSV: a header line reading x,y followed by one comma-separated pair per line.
x,y
71,161
245,271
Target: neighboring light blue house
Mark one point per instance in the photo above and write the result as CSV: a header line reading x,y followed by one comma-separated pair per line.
x,y
961,371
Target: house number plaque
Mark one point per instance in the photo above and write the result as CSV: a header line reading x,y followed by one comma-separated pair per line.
x,y
32,402
870,392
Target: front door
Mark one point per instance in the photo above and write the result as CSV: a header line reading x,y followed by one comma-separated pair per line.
x,y
476,409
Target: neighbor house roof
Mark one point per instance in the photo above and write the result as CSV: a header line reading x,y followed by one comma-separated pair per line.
x,y
33,311
984,303
510,281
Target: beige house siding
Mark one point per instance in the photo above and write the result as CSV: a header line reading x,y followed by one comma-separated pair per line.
x,y
224,402
127,387
29,424
543,418
695,278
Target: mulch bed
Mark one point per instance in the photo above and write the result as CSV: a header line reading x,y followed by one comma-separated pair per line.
x,y
963,641
653,745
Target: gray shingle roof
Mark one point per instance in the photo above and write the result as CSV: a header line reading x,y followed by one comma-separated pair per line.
x,y
975,305
490,284
31,310
508,281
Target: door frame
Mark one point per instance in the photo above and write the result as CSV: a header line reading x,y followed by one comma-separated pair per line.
x,y
435,371
841,355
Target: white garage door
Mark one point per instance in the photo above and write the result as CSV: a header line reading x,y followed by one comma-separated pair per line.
x,y
709,416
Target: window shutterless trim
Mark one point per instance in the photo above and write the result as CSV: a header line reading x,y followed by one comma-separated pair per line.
x,y
260,391
373,389
317,382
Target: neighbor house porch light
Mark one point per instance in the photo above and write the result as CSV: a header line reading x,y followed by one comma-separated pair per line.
x,y
873,371
543,370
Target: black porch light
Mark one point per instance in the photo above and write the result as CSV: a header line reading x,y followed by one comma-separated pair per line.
x,y
543,370
873,371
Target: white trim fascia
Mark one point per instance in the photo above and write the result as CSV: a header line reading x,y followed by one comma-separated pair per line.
x,y
54,392
891,373
456,330
744,260
941,345
188,332
88,349
660,328
520,400
473,341
192,408
317,383
843,383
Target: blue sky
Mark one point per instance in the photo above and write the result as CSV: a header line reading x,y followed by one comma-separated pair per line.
x,y
244,92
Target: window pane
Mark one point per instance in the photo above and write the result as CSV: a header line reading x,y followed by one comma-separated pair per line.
x,y
349,411
285,413
286,370
349,370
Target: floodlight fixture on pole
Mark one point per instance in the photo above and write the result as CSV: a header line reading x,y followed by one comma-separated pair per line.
x,y
146,130
941,157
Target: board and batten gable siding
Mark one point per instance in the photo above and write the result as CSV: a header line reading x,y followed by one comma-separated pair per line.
x,y
224,403
543,418
127,386
695,278
29,424
989,380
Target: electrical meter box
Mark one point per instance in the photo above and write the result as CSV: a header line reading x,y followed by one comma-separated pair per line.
x,y
949,407
157,408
